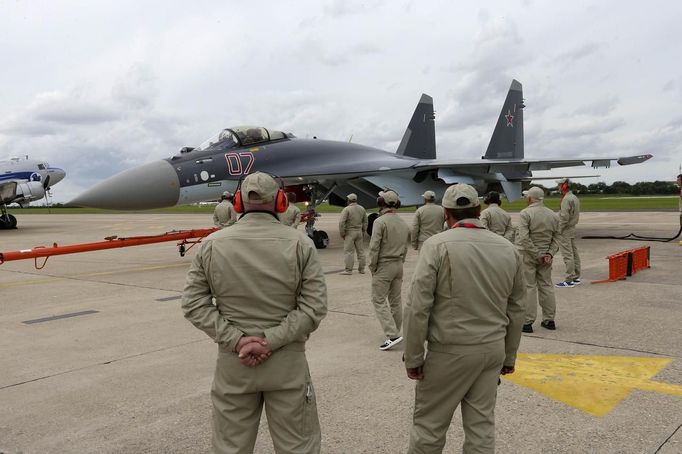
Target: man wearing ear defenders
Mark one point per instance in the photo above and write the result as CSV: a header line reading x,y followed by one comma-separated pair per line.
x,y
387,251
270,294
569,214
224,214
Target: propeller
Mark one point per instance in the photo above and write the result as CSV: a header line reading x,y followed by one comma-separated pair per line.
x,y
46,186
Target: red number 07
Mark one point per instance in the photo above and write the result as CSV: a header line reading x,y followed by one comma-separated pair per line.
x,y
239,163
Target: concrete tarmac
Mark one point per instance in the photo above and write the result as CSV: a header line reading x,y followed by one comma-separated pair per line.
x,y
95,355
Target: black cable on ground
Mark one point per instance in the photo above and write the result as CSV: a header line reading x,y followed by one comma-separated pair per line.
x,y
632,236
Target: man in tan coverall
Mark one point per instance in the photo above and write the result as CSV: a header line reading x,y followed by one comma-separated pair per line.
x,y
495,218
569,214
428,220
537,240
270,294
292,216
466,301
387,251
352,227
224,214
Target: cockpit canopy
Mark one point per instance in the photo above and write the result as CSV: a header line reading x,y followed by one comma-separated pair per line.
x,y
241,136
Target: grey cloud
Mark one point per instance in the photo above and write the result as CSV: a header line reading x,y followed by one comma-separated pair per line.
x,y
137,88
314,51
599,107
339,8
52,111
574,130
578,53
670,85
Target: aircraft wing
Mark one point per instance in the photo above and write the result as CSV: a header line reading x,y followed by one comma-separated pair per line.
x,y
526,165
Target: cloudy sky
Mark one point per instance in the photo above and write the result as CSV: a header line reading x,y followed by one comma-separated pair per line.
x,y
97,87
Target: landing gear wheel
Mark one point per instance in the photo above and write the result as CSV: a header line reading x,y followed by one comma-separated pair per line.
x,y
321,239
370,222
8,222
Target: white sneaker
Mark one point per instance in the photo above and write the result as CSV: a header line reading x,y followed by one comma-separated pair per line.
x,y
577,281
390,343
346,273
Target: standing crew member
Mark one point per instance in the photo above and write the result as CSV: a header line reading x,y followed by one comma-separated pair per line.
x,y
495,218
466,301
427,221
224,214
352,225
538,242
569,214
387,251
270,294
291,217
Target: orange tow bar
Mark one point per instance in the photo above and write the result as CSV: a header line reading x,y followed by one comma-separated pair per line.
x,y
183,236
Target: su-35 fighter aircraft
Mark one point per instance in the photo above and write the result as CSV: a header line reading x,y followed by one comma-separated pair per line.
x,y
318,170
24,181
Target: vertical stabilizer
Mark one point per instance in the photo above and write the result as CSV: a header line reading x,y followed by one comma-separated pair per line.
x,y
419,140
507,139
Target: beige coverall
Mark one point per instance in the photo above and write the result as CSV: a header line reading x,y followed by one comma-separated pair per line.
x,y
498,221
224,214
291,217
466,301
387,251
537,235
428,220
352,227
569,214
267,281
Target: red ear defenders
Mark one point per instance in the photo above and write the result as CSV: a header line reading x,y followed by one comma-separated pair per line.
x,y
281,200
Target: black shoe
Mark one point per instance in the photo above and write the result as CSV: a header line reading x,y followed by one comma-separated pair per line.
x,y
527,328
548,324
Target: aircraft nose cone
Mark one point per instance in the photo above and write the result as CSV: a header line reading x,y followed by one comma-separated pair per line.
x,y
152,185
56,175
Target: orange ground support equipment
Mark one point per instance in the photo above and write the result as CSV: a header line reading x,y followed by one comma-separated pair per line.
x,y
640,259
626,263
184,237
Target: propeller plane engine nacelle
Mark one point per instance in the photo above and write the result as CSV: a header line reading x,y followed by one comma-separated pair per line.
x,y
31,190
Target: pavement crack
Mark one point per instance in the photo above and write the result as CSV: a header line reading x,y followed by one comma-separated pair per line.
x,y
590,344
665,442
349,313
103,363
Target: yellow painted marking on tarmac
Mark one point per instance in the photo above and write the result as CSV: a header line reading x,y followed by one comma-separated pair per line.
x,y
593,384
103,273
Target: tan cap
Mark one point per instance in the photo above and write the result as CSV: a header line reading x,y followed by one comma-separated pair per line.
x,y
259,187
458,191
227,194
429,195
390,197
534,193
352,197
562,181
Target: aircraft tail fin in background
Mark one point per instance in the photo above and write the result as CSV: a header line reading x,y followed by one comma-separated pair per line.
x,y
419,140
507,139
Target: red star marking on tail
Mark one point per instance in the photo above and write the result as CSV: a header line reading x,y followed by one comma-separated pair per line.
x,y
509,118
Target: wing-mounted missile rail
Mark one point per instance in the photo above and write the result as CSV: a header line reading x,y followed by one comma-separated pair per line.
x,y
186,240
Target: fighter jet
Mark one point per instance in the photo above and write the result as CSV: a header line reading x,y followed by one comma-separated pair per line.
x,y
318,170
24,181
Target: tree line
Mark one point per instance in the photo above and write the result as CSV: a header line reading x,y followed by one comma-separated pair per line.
x,y
621,187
